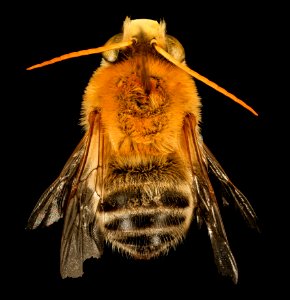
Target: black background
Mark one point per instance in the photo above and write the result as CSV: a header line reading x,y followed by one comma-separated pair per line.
x,y
240,47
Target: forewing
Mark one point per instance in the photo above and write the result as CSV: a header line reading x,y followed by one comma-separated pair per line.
x,y
207,206
233,192
75,195
81,238
50,206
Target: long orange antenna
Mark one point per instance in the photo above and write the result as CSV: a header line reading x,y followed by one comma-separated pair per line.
x,y
160,51
82,53
203,79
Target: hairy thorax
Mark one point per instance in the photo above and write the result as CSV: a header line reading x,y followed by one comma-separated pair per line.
x,y
143,104
142,114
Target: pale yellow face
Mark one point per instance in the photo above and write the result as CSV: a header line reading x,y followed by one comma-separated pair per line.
x,y
150,28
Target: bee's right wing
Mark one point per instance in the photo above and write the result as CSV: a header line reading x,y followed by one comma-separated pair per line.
x,y
75,195
231,191
49,208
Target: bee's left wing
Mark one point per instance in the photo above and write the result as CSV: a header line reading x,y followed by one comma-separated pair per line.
x,y
75,195
207,206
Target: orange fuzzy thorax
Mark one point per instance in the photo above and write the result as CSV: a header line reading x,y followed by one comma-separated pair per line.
x,y
136,120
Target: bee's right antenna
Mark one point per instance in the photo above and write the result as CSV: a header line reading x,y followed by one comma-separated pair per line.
x,y
202,78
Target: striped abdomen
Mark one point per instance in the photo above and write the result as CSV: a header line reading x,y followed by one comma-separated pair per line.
x,y
147,207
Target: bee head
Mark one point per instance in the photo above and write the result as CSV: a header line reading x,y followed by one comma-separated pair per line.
x,y
144,33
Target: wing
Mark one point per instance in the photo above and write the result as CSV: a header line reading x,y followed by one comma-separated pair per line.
x,y
200,159
49,208
232,191
75,196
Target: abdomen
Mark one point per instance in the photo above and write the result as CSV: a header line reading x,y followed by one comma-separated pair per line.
x,y
147,206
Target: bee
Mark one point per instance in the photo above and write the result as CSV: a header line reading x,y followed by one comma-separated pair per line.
x,y
140,174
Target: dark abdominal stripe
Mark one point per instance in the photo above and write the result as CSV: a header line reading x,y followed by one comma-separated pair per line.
x,y
147,240
136,199
143,221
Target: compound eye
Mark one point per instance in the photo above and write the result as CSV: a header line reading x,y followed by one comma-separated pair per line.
x,y
112,55
174,48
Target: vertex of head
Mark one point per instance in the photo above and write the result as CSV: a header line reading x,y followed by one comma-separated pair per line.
x,y
141,32
146,28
